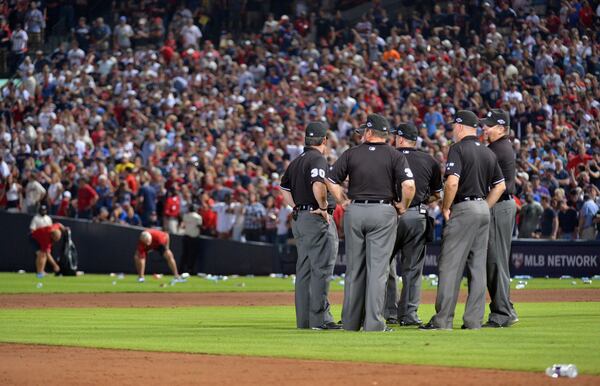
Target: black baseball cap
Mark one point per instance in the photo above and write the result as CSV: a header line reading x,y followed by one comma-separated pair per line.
x,y
407,130
467,118
316,130
376,122
496,117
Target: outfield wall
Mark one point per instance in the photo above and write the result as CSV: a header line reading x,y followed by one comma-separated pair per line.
x,y
107,248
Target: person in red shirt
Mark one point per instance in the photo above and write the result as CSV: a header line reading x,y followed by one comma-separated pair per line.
x,y
86,199
43,239
154,240
172,210
581,159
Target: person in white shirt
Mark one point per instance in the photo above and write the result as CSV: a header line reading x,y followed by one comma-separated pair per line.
x,y
75,55
225,217
190,34
191,224
41,219
34,192
123,33
18,42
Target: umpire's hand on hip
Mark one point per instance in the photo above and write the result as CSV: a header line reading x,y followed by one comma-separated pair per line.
x,y
323,213
400,208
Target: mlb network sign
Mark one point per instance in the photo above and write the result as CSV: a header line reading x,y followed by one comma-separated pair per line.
x,y
541,258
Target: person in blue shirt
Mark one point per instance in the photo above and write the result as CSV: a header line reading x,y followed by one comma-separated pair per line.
x,y
147,199
432,119
105,193
129,216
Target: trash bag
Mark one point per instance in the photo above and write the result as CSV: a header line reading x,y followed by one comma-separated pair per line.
x,y
68,258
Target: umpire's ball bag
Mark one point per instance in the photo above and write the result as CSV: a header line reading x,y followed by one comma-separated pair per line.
x,y
68,259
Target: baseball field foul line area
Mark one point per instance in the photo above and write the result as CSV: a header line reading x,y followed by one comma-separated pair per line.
x,y
249,337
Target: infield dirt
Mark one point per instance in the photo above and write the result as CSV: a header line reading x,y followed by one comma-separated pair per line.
x,y
53,365
246,298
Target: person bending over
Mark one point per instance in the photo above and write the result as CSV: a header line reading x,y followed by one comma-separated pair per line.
x,y
154,240
43,239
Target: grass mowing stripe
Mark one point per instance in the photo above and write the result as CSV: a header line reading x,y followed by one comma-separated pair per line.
x,y
27,283
548,333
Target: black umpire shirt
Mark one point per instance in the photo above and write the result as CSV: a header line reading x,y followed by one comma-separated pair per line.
x,y
310,167
426,172
476,167
376,171
503,150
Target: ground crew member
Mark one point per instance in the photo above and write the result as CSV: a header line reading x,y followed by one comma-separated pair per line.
x,y
376,173
502,313
471,170
303,187
412,228
154,240
43,238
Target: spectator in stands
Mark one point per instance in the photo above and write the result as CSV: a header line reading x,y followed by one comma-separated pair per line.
x,y
128,216
35,25
529,217
568,221
587,214
172,211
549,219
13,194
225,217
254,218
271,214
18,40
190,35
100,35
122,34
192,227
86,199
34,193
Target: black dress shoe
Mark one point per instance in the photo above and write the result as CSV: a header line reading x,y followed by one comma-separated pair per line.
x,y
492,324
328,326
463,327
406,323
429,327
391,321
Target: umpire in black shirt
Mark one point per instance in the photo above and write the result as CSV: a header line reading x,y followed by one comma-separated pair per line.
x,y
471,170
376,172
502,313
303,186
412,227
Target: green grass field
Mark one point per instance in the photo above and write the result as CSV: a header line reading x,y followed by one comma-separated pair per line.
x,y
28,283
547,333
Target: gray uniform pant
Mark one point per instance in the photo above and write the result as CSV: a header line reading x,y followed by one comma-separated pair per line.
x,y
410,243
464,241
317,245
370,231
502,221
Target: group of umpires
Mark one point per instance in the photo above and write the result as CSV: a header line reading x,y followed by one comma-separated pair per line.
x,y
386,222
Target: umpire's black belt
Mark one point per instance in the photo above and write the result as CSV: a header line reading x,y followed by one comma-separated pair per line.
x,y
505,197
421,208
312,207
470,198
387,202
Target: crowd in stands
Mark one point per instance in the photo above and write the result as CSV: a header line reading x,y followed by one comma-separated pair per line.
x,y
150,115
